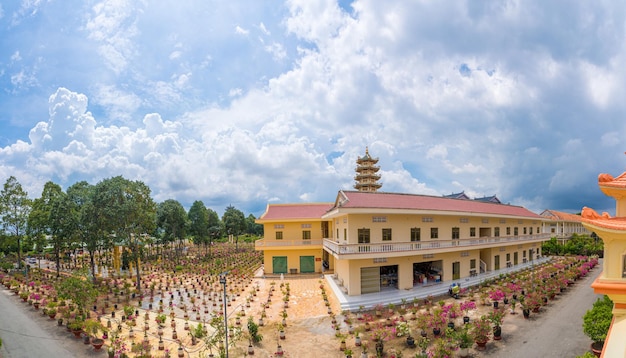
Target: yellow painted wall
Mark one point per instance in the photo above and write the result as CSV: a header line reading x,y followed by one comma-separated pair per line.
x,y
401,225
292,230
350,270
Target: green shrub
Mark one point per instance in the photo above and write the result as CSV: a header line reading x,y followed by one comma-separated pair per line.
x,y
253,330
597,320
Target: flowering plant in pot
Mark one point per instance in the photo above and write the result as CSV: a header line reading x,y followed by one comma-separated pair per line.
x,y
495,296
480,329
495,317
466,307
437,320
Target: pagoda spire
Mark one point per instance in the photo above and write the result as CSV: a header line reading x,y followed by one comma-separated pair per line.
x,y
366,173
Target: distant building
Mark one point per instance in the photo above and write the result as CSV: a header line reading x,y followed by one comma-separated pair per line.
x,y
563,225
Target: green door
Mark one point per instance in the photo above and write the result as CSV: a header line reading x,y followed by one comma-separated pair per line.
x,y
456,270
307,264
279,263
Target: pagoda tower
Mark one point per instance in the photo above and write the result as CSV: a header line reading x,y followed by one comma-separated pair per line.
x,y
366,173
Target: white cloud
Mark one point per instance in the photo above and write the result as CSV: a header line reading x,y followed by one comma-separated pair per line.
x,y
494,102
264,29
111,24
16,57
241,31
235,92
277,51
119,104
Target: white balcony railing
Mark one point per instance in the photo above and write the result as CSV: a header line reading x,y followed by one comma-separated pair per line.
x,y
349,249
277,243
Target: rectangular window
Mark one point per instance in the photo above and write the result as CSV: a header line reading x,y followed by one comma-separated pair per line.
x,y
306,234
345,234
515,231
434,233
485,221
524,230
456,233
508,257
496,231
305,226
472,232
279,226
427,219
364,236
416,234
464,220
279,235
508,231
386,234
473,264
502,221
379,219
531,230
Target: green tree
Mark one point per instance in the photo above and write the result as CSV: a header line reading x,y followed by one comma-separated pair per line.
x,y
63,223
84,220
198,217
234,223
252,227
127,213
14,210
172,223
46,216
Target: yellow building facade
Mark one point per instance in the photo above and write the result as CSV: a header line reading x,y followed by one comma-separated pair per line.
x,y
375,241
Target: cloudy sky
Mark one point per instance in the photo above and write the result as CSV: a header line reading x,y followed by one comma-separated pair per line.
x,y
254,102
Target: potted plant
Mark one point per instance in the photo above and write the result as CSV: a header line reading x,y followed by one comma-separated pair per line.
x,y
51,309
437,320
422,343
253,331
422,322
495,317
160,319
76,326
495,296
92,327
466,307
440,349
348,352
480,329
464,340
596,323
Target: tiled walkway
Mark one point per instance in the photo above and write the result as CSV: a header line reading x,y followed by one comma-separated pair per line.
x,y
395,296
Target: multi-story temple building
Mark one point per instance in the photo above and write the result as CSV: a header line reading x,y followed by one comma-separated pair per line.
x,y
376,241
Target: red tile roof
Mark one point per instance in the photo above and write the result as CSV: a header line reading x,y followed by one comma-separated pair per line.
x,y
295,211
561,216
381,200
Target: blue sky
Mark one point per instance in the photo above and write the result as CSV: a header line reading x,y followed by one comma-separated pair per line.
x,y
254,102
